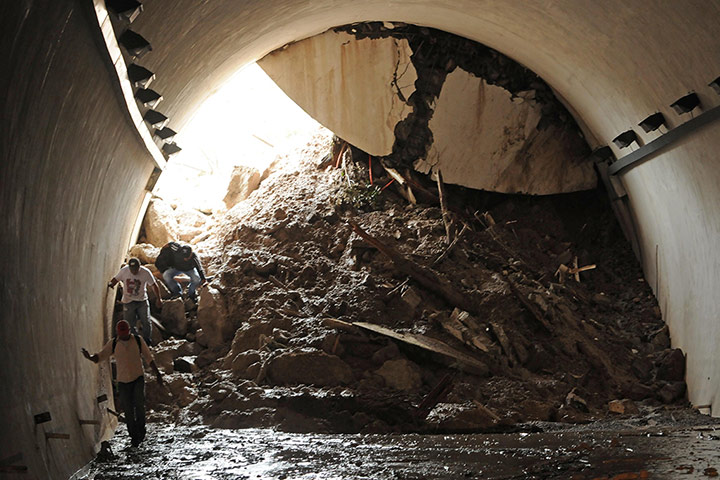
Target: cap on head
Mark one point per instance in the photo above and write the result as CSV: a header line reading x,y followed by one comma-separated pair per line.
x,y
186,251
123,328
134,263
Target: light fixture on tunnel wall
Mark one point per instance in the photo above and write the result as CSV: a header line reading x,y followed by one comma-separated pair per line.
x,y
715,84
166,134
134,43
149,98
625,139
155,118
171,148
127,10
686,104
140,76
653,122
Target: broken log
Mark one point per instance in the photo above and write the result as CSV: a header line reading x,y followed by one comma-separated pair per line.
x,y
424,276
529,306
442,195
435,396
451,246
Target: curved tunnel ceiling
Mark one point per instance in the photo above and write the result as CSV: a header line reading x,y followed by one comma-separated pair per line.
x,y
73,170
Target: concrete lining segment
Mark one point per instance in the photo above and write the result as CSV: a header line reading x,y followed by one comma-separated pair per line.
x,y
643,153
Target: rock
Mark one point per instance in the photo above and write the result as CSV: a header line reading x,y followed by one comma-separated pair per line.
x,y
463,417
182,389
638,391
190,217
661,338
642,368
173,317
145,252
671,367
622,406
310,368
242,361
248,337
537,410
212,317
411,297
401,374
185,365
388,352
160,224
672,391
243,181
201,338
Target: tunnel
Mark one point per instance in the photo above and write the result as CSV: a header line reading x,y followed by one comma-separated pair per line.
x,y
79,161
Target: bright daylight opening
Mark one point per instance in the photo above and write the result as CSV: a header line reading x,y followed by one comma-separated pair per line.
x,y
250,122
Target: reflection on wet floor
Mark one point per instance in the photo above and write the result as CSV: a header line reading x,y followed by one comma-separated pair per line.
x,y
179,452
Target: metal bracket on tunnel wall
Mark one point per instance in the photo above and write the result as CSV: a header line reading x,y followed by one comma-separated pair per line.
x,y
641,154
115,56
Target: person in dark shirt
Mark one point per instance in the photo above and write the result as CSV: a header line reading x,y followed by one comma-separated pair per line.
x,y
174,260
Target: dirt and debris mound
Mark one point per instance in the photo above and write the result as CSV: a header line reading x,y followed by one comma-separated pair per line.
x,y
482,312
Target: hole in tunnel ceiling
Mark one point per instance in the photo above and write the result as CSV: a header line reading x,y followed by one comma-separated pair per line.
x,y
249,122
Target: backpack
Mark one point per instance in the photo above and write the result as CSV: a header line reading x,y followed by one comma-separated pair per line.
x,y
137,340
166,257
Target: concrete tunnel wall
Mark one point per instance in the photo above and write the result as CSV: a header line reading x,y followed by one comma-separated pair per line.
x,y
73,169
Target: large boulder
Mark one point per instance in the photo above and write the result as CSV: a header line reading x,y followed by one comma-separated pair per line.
x,y
191,223
243,182
309,368
248,337
401,374
160,224
145,252
173,317
213,319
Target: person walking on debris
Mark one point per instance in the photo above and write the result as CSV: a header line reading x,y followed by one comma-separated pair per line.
x,y
135,280
174,260
128,349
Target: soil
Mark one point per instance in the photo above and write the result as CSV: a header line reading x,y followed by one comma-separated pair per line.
x,y
290,269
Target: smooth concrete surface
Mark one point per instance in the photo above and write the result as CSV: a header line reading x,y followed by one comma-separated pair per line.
x,y
73,170
350,86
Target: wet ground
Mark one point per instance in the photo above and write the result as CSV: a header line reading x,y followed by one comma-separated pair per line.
x,y
181,452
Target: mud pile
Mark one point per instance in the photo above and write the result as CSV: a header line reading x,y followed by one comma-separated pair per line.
x,y
307,326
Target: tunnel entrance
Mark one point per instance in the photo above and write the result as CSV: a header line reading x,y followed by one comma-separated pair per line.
x,y
360,293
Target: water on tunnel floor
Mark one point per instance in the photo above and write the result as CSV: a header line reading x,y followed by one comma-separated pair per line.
x,y
199,452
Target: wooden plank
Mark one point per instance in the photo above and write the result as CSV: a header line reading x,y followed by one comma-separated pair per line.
x,y
430,344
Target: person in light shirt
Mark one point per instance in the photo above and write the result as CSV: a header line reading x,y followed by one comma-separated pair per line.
x,y
135,280
129,350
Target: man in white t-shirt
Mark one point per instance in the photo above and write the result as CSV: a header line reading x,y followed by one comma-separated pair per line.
x,y
135,280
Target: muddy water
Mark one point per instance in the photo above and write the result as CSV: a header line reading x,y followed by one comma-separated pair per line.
x,y
173,452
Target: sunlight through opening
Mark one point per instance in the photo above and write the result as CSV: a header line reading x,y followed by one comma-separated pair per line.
x,y
249,121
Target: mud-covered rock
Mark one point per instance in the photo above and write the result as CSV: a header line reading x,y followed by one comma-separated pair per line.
x,y
401,374
160,224
185,365
466,417
212,317
309,368
173,317
243,181
242,361
145,252
671,392
671,366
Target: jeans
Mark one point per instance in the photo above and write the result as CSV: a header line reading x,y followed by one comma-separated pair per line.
x,y
132,398
141,310
174,286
